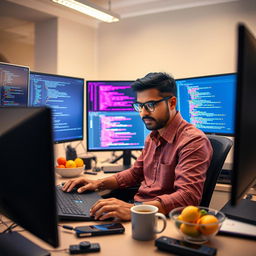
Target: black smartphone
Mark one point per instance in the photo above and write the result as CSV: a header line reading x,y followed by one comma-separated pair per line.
x,y
179,247
99,229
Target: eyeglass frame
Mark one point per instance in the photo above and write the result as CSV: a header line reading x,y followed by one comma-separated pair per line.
x,y
139,105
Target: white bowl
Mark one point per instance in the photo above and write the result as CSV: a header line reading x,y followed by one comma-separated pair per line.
x,y
69,172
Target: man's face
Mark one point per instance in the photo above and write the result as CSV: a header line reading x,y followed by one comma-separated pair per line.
x,y
163,112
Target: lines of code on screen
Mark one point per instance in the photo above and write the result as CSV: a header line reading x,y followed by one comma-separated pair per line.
x,y
65,96
13,85
112,123
208,102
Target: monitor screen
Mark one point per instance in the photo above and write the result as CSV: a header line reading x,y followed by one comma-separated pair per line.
x,y
27,177
208,102
65,95
244,162
13,85
112,123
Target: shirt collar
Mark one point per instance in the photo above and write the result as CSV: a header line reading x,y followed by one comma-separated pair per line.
x,y
169,131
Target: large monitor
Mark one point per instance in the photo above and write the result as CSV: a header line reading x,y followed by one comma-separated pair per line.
x,y
112,123
208,102
244,163
27,178
13,85
65,95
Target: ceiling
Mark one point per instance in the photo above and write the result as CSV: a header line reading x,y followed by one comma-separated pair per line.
x,y
17,17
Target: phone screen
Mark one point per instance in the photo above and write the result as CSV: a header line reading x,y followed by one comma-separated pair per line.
x,y
108,226
101,227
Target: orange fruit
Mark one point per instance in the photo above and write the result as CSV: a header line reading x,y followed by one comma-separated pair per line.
x,y
178,221
61,161
190,214
189,230
70,164
79,162
61,166
208,224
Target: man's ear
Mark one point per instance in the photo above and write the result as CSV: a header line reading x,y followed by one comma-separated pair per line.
x,y
172,102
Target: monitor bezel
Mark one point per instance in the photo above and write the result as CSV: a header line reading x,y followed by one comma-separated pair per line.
x,y
27,118
236,194
205,76
28,77
87,119
73,77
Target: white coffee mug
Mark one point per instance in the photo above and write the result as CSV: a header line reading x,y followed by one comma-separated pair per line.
x,y
144,222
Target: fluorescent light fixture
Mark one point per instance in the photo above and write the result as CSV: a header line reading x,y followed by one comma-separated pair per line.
x,y
90,9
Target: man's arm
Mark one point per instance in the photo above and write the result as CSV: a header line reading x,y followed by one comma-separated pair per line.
x,y
86,184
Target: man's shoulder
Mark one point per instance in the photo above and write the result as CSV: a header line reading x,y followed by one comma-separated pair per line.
x,y
188,132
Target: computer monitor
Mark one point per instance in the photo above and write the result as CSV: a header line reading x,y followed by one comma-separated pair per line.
x,y
27,178
244,162
208,102
112,123
65,95
13,85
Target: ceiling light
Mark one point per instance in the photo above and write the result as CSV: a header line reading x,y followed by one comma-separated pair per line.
x,y
90,9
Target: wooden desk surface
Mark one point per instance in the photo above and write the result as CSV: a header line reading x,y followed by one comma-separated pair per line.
x,y
124,244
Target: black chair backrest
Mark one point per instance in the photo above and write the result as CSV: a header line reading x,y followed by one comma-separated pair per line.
x,y
221,146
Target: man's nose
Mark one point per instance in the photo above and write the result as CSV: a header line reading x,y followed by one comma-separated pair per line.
x,y
144,111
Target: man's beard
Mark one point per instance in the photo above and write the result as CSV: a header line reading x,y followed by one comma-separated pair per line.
x,y
155,124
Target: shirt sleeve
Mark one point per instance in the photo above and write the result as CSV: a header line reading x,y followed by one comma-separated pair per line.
x,y
190,174
132,176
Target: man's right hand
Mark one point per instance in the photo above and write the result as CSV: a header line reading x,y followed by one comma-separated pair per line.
x,y
82,183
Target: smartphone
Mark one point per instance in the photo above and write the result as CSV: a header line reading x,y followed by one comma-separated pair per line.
x,y
99,230
179,247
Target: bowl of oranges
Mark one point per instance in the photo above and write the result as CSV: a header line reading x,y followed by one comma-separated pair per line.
x,y
197,224
69,168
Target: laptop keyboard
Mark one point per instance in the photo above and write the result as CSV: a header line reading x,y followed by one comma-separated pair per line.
x,y
69,203
224,177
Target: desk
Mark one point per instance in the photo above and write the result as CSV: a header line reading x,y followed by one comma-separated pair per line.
x,y
123,244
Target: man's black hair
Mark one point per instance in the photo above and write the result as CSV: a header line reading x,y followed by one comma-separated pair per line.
x,y
163,82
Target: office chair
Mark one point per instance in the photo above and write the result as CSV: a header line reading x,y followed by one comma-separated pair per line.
x,y
221,146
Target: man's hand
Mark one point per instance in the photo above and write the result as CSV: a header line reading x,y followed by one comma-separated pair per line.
x,y
82,183
111,207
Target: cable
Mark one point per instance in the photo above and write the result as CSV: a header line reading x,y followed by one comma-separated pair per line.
x,y
9,229
58,250
67,227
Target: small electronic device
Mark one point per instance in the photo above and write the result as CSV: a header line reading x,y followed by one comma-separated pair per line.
x,y
99,230
84,247
183,248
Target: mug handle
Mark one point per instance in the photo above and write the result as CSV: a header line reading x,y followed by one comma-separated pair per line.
x,y
159,215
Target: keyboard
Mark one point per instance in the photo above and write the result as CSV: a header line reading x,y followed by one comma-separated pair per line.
x,y
68,204
75,206
224,177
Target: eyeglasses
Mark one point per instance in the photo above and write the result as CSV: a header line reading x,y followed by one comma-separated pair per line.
x,y
149,106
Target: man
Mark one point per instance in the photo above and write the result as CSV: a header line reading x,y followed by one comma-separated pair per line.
x,y
172,167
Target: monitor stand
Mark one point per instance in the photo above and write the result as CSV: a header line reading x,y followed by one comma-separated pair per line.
x,y
127,155
13,243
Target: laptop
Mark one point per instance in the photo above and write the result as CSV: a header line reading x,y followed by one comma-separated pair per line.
x,y
75,206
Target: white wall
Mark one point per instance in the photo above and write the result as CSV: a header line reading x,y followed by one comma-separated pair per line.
x,y
77,50
185,43
15,51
